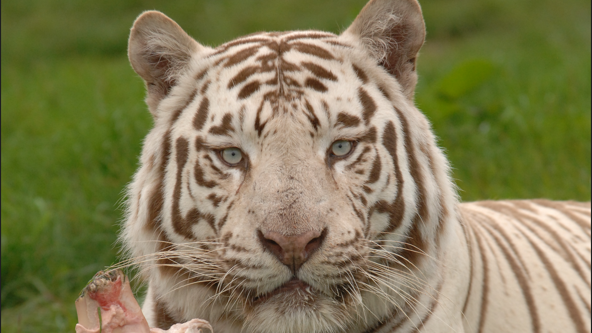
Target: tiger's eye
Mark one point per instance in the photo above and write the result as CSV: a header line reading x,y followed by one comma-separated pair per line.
x,y
232,156
341,148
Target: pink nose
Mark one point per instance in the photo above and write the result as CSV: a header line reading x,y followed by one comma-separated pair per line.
x,y
292,251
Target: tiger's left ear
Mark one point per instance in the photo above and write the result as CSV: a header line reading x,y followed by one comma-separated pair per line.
x,y
392,31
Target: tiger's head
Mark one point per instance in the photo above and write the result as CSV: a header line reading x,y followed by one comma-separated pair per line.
x,y
289,183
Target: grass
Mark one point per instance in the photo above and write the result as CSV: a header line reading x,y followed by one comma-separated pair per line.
x,y
505,83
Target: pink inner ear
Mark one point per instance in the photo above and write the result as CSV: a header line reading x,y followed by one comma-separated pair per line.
x,y
159,65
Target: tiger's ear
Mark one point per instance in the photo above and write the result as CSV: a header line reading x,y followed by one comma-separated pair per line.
x,y
392,31
159,50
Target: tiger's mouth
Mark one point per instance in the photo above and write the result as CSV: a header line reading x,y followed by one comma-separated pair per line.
x,y
295,289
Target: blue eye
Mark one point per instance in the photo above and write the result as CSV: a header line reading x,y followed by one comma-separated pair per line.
x,y
341,148
232,156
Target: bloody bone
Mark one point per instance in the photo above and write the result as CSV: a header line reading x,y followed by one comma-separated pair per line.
x,y
107,305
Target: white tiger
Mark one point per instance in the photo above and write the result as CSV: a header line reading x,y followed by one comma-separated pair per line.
x,y
290,185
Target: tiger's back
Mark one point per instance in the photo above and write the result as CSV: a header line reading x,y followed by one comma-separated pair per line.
x,y
291,185
534,255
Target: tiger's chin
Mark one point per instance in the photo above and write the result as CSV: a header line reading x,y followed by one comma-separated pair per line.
x,y
297,307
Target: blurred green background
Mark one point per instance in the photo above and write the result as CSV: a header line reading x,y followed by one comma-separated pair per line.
x,y
506,84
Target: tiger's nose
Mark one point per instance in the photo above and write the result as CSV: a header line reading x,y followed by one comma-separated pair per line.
x,y
292,251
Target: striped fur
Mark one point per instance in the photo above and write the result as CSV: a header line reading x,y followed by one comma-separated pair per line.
x,y
399,253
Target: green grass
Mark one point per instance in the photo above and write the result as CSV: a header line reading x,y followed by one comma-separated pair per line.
x,y
505,83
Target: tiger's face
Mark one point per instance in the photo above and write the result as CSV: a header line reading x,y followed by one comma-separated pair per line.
x,y
283,180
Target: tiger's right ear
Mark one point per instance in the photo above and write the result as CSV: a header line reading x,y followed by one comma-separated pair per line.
x,y
392,31
159,51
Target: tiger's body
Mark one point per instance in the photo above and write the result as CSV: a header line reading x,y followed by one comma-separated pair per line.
x,y
291,185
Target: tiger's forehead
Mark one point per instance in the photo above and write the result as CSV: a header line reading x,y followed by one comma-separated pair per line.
x,y
287,64
262,79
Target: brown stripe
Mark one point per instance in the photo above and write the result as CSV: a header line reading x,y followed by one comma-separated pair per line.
x,y
243,75
273,81
435,303
187,102
201,116
561,248
415,244
574,262
347,120
582,211
469,239
183,225
358,214
308,35
515,214
188,186
584,300
583,223
325,106
519,272
288,81
574,312
585,205
276,33
336,43
200,179
225,218
384,92
205,87
162,318
241,41
315,84
423,214
497,260
259,126
375,171
286,66
156,201
485,287
536,210
200,75
363,200
156,198
488,221
241,56
214,199
249,89
442,209
397,208
312,117
182,152
319,71
352,165
312,50
367,104
369,136
360,73
225,128
216,169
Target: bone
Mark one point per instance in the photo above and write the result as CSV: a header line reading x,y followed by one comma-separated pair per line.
x,y
107,305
